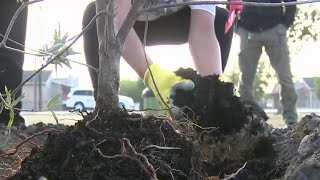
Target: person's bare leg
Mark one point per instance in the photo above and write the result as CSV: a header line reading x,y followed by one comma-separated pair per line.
x,y
133,51
203,43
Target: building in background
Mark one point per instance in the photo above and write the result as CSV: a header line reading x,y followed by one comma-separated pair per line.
x,y
44,86
306,91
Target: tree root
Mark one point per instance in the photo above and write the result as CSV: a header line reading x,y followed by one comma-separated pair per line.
x,y
132,154
15,150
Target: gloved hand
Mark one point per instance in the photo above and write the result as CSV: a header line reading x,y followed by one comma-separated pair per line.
x,y
167,83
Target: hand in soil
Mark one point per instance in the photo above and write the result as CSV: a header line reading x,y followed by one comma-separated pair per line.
x,y
165,84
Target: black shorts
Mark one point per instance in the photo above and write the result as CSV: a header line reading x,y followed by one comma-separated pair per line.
x,y
166,30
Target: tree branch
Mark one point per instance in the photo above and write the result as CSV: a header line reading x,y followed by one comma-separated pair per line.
x,y
101,24
110,24
28,139
129,21
62,51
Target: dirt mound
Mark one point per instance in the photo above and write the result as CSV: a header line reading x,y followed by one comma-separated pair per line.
x,y
298,149
17,144
120,147
221,138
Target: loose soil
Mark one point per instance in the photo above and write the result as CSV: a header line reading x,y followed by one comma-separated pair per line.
x,y
220,137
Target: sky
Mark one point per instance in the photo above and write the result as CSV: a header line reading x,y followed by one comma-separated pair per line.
x,y
45,17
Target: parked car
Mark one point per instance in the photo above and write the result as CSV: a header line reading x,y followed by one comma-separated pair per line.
x,y
82,99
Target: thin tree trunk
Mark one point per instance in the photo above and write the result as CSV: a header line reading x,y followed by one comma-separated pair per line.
x,y
109,55
110,51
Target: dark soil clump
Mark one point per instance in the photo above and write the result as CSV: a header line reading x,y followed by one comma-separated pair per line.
x,y
116,148
10,164
212,103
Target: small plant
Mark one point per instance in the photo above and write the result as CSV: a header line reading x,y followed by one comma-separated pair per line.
x,y
50,106
9,103
58,45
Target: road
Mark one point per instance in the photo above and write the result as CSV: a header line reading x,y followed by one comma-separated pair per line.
x,y
64,117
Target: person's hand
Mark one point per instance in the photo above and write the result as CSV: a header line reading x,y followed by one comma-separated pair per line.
x,y
167,83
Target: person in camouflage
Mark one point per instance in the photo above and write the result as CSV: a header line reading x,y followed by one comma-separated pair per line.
x,y
200,25
267,27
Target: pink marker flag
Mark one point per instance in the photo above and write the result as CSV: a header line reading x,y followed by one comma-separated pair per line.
x,y
232,15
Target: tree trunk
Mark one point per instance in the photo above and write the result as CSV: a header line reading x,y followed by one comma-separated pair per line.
x,y
108,79
110,51
109,58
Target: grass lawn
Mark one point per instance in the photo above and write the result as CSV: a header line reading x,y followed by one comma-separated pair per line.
x,y
276,119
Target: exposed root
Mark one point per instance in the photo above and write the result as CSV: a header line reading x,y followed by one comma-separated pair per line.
x,y
160,147
234,176
15,150
133,155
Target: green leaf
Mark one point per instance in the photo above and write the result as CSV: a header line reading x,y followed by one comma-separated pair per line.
x,y
8,94
72,52
64,38
45,48
56,35
16,101
66,62
6,89
11,114
52,102
55,48
55,116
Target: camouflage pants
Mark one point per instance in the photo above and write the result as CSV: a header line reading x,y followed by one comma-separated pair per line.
x,y
275,42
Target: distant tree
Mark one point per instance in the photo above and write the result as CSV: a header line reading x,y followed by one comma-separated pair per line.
x,y
317,86
233,75
305,27
132,88
260,82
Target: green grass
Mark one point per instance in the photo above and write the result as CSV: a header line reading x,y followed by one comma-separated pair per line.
x,y
276,119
